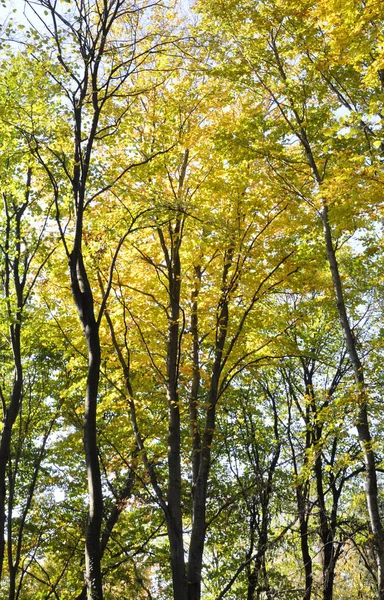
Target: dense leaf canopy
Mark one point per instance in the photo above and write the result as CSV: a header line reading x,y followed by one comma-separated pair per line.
x,y
191,274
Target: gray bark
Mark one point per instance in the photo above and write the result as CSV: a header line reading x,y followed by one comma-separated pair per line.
x,y
362,422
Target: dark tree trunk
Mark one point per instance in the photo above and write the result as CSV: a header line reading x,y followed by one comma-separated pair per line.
x,y
362,424
173,512
12,583
302,493
196,548
13,276
306,556
84,302
253,576
195,388
254,572
325,534
6,436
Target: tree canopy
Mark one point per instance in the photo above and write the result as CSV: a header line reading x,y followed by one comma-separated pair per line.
x,y
191,313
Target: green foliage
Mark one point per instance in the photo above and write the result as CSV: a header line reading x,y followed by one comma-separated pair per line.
x,y
212,154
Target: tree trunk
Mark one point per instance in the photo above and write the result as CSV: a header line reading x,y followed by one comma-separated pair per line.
x,y
362,424
196,547
253,578
84,302
6,435
12,583
179,581
307,560
11,274
325,533
173,512
92,554
195,388
199,506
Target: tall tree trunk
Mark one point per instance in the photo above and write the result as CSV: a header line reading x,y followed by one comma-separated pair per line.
x,y
199,505
302,494
306,556
325,533
196,548
173,512
84,302
195,388
362,423
6,434
12,277
255,571
12,582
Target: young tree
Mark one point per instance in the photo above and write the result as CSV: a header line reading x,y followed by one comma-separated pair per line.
x,y
270,54
101,49
199,291
25,247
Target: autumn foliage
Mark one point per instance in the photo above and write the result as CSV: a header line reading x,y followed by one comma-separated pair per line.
x,y
191,268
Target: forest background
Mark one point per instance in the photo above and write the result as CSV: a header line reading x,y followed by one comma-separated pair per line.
x,y
191,263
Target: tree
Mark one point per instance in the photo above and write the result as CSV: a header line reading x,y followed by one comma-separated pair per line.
x,y
270,52
198,304
25,246
101,49
200,182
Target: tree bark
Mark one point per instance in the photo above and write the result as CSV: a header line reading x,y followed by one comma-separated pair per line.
x,y
12,277
195,388
362,423
6,435
307,560
196,548
326,532
84,302
173,512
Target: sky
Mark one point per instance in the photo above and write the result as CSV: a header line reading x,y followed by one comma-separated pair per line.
x,y
15,10
7,8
